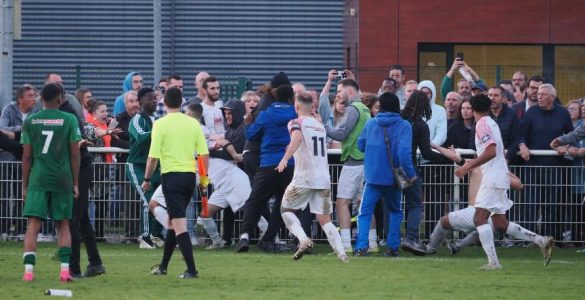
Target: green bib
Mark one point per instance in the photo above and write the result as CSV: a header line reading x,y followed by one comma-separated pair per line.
x,y
349,147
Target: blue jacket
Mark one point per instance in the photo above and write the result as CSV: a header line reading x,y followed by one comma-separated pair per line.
x,y
376,165
271,128
119,105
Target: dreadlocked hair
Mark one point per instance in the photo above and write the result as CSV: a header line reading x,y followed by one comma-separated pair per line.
x,y
417,107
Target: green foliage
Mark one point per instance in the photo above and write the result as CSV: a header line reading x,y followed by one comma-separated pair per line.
x,y
256,275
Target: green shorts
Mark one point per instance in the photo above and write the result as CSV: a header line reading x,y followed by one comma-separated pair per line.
x,y
57,205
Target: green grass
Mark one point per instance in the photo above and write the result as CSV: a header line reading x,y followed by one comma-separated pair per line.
x,y
255,275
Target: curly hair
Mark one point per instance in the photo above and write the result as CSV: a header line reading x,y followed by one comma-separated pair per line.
x,y
417,107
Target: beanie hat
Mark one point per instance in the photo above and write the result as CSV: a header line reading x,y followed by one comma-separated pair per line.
x,y
278,80
389,103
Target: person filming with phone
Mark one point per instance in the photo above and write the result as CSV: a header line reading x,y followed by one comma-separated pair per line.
x,y
464,85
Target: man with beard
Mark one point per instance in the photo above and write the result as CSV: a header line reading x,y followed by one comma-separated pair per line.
x,y
212,116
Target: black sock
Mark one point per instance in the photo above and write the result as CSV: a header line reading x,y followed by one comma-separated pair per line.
x,y
187,249
170,244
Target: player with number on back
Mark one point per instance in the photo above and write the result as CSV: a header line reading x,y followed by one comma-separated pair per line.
x,y
311,182
50,168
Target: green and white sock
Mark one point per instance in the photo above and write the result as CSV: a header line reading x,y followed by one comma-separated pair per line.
x,y
30,259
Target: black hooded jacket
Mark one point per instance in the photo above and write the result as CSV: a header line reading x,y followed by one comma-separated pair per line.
x,y
235,132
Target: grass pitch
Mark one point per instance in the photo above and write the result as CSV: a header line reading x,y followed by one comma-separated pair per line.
x,y
256,275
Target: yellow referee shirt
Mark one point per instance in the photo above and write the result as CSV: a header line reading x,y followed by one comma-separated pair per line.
x,y
175,140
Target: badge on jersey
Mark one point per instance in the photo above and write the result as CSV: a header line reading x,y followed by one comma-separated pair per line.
x,y
294,125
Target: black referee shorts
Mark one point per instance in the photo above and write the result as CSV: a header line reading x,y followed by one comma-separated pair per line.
x,y
178,188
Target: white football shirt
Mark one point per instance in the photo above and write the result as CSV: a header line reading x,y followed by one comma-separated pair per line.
x,y
311,165
495,171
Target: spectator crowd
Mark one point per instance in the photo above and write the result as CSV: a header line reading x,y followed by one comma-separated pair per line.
x,y
247,138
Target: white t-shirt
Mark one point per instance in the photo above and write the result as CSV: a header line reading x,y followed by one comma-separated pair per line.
x,y
495,171
213,119
311,165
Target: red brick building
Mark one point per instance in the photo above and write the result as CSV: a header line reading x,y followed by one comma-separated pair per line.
x,y
498,37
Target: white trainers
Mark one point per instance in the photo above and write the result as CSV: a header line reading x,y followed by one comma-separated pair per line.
x,y
546,248
490,267
304,245
343,258
145,245
218,245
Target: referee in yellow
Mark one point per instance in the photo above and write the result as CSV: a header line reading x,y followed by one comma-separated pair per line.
x,y
176,138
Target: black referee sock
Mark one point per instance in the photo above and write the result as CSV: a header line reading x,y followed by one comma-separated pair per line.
x,y
170,244
187,249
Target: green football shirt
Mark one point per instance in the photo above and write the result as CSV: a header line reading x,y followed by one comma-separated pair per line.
x,y
49,132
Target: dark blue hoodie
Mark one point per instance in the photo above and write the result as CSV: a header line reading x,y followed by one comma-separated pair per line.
x,y
271,128
377,168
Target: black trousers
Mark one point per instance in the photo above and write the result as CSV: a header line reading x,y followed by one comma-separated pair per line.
x,y
80,226
267,182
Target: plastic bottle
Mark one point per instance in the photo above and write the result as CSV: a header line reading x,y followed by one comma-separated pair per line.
x,y
465,74
62,293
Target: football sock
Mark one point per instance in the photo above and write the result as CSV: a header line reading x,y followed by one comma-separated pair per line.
x,y
161,215
469,239
346,238
64,257
373,238
263,224
187,250
30,259
211,229
334,238
170,245
486,236
437,236
294,225
524,234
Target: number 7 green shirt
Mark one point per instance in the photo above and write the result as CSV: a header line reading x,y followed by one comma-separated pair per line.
x,y
49,132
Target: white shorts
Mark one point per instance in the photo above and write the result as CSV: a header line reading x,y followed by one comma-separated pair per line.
x,y
298,198
231,185
462,220
158,197
351,182
493,199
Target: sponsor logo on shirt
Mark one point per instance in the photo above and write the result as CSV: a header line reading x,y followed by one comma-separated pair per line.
x,y
48,122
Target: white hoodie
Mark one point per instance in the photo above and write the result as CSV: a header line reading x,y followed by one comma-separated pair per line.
x,y
438,122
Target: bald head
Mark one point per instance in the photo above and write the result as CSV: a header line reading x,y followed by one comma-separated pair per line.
x,y
199,78
452,101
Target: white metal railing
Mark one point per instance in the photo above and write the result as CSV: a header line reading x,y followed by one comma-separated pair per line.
x,y
551,202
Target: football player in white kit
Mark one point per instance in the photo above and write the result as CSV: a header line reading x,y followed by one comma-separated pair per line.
x,y
492,198
311,183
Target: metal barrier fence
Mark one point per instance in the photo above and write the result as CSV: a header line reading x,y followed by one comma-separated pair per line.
x,y
551,202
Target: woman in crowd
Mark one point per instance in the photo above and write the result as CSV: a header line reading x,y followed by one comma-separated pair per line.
x,y
458,134
98,134
84,97
574,108
372,102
